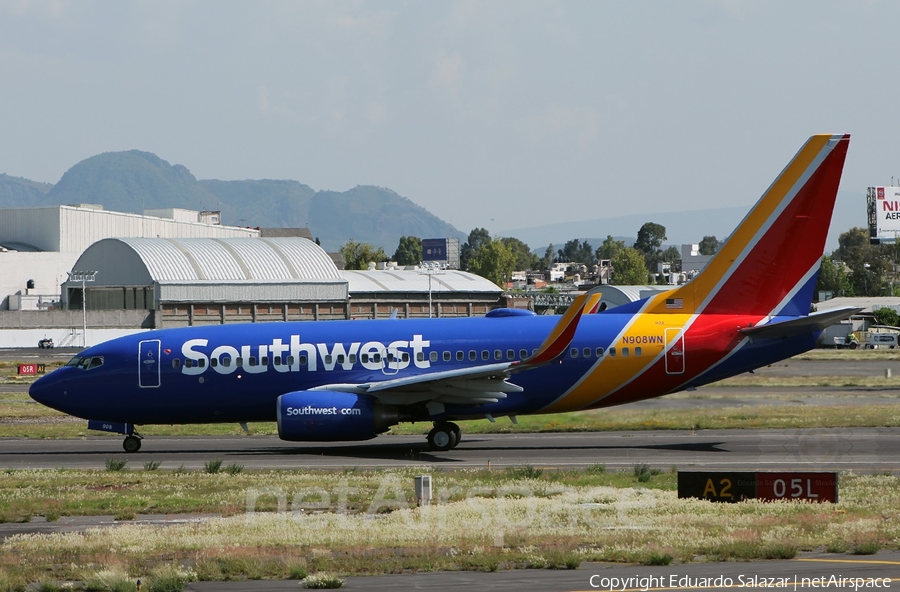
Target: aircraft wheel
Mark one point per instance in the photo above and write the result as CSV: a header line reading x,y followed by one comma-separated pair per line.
x,y
457,433
131,444
442,437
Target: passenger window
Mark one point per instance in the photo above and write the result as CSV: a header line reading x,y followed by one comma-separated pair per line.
x,y
460,356
189,363
376,358
264,361
239,362
225,361
447,356
303,360
510,354
364,358
328,359
485,354
573,353
523,353
420,357
599,352
586,352
638,351
290,360
276,361
612,352
405,356
498,355
624,352
176,363
213,362
201,363
251,361
352,358
472,355
340,359
433,356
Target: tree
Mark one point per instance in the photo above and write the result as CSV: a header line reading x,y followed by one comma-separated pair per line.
x,y
868,263
467,252
628,268
358,255
832,278
576,252
649,240
547,259
409,251
886,316
525,259
609,249
709,245
494,261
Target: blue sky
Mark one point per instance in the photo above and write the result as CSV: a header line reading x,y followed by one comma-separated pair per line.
x,y
496,114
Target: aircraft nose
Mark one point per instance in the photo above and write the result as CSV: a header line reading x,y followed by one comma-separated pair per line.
x,y
48,390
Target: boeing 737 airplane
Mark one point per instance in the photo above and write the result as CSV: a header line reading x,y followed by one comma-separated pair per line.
x,y
351,380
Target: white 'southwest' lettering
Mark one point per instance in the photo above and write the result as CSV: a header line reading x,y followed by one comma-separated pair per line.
x,y
295,356
310,410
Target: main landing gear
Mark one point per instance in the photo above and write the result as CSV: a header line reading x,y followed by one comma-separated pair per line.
x,y
444,435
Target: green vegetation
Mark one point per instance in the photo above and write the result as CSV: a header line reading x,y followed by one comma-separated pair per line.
x,y
289,524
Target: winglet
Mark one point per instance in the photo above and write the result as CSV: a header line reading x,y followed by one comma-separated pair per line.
x,y
593,302
562,334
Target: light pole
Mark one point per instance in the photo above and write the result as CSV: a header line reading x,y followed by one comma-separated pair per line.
x,y
83,277
430,268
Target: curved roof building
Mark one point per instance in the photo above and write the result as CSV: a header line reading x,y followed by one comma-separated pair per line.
x,y
218,280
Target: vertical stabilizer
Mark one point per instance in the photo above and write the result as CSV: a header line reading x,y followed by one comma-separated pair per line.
x,y
770,262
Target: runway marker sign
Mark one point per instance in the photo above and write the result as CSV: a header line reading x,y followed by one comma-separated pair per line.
x,y
735,486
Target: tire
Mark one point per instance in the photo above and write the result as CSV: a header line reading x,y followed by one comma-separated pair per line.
x,y
131,444
457,433
441,438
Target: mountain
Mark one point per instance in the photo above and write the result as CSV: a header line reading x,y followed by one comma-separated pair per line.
x,y
682,227
19,192
374,215
134,181
284,204
129,182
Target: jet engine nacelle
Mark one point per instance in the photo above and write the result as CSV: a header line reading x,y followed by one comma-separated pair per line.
x,y
326,416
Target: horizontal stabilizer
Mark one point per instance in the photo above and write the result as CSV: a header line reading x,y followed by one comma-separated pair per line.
x,y
814,322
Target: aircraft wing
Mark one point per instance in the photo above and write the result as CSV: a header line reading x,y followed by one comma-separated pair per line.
x,y
814,322
487,383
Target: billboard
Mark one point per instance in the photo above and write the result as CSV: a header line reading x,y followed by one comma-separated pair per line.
x,y
441,250
883,208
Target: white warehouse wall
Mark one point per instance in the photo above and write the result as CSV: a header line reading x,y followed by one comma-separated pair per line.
x,y
48,270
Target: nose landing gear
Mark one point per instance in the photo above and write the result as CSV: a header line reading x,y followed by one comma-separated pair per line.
x,y
445,435
132,443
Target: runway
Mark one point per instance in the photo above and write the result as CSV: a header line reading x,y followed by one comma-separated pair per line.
x,y
861,450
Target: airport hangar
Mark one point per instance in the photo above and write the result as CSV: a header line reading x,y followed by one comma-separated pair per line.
x,y
182,282
188,274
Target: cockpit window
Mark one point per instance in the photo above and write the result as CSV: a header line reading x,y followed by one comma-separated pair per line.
x,y
86,363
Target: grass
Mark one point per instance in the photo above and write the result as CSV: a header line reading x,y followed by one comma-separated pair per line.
x,y
481,520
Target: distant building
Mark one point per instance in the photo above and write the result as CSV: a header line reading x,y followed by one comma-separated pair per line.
x,y
38,246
